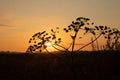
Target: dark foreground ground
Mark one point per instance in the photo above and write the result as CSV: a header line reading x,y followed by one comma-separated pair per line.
x,y
87,66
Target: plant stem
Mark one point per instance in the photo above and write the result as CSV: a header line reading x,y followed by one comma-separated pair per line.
x,y
89,43
72,56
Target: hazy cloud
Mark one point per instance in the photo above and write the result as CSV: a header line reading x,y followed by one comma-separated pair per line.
x,y
4,25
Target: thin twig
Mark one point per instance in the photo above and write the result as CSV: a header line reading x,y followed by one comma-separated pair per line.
x,y
89,43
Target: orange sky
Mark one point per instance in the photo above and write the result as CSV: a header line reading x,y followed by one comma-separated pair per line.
x,y
20,19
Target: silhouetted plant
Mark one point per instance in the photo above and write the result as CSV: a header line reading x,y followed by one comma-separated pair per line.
x,y
81,23
75,27
39,42
112,37
92,44
40,39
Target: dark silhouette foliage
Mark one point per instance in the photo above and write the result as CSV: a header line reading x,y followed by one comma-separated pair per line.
x,y
38,41
112,36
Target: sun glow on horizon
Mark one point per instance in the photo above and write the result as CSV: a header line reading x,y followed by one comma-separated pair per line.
x,y
48,44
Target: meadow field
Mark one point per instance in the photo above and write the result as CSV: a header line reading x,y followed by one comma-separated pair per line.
x,y
97,65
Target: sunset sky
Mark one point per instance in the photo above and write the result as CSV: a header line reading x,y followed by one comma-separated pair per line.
x,y
20,19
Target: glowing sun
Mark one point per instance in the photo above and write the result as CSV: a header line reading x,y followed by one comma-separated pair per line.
x,y
49,44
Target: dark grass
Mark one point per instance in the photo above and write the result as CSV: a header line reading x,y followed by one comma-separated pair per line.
x,y
99,65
